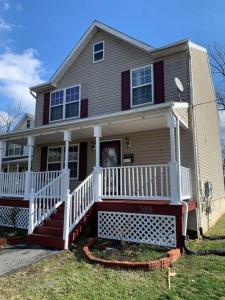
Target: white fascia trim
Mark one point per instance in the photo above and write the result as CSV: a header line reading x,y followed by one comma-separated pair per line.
x,y
180,105
195,46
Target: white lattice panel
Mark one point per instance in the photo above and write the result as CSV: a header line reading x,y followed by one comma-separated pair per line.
x,y
141,228
21,217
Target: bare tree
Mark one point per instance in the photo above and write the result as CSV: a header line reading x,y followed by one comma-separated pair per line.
x,y
10,116
217,61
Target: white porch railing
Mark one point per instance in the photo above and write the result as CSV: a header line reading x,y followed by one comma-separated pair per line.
x,y
186,187
20,184
12,184
46,200
41,179
136,182
78,203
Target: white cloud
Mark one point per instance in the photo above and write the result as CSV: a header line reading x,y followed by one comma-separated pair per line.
x,y
5,26
17,73
5,4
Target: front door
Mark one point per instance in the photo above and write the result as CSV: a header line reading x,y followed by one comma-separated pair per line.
x,y
110,156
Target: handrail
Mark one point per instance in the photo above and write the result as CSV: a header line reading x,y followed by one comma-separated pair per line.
x,y
77,204
47,200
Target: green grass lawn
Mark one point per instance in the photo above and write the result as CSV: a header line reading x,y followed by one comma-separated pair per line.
x,y
70,276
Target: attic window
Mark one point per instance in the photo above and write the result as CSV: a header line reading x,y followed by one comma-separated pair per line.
x,y
28,123
98,51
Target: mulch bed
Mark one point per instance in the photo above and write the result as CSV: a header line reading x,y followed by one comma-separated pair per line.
x,y
162,263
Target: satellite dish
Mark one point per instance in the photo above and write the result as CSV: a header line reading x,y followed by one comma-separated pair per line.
x,y
179,84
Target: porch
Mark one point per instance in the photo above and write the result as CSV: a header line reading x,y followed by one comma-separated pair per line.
x,y
116,178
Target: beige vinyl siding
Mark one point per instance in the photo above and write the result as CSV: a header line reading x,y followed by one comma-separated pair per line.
x,y
176,66
183,115
39,110
101,81
206,130
148,147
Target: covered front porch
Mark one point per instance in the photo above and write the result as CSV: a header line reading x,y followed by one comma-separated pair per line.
x,y
119,150
127,157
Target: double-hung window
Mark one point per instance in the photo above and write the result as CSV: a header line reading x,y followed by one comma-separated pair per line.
x,y
141,86
65,104
56,159
98,51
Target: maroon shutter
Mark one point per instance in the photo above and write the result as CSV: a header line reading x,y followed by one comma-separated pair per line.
x,y
125,90
84,108
46,108
159,95
83,160
44,152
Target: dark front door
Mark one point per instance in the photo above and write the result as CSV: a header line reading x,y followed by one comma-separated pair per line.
x,y
110,154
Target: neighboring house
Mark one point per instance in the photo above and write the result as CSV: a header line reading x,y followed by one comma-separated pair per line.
x,y
140,153
15,156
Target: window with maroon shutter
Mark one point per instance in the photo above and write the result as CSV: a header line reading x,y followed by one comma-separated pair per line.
x,y
84,108
46,108
125,90
142,86
83,160
159,94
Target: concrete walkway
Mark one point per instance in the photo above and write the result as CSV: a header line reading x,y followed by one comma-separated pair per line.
x,y
22,255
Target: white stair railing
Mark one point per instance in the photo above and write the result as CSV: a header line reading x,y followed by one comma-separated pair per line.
x,y
136,182
45,201
186,186
12,184
78,203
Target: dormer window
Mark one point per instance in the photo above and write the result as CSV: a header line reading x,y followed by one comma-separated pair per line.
x,y
98,51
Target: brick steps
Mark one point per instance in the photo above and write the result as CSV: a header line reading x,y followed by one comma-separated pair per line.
x,y
50,232
45,240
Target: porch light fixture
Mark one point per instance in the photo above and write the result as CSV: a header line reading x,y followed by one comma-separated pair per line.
x,y
92,145
128,142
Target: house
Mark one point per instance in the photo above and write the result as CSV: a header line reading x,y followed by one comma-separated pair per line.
x,y
116,143
15,156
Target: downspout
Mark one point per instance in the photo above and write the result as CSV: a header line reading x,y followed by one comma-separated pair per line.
x,y
185,205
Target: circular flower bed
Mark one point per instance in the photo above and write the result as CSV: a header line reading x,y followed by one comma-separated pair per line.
x,y
129,255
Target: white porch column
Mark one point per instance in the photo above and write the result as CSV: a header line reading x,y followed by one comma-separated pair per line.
x,y
178,158
2,149
30,144
67,140
171,123
98,181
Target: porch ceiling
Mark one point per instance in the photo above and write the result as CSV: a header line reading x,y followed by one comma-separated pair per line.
x,y
137,120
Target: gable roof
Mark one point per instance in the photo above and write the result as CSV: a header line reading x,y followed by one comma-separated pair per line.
x,y
23,118
87,36
85,39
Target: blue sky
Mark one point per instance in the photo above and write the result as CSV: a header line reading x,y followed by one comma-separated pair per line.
x,y
36,35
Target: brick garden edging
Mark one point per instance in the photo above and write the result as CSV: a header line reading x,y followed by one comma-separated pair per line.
x,y
162,263
11,240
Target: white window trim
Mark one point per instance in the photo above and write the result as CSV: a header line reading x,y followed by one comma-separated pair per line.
x,y
14,147
64,104
93,52
62,158
131,87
